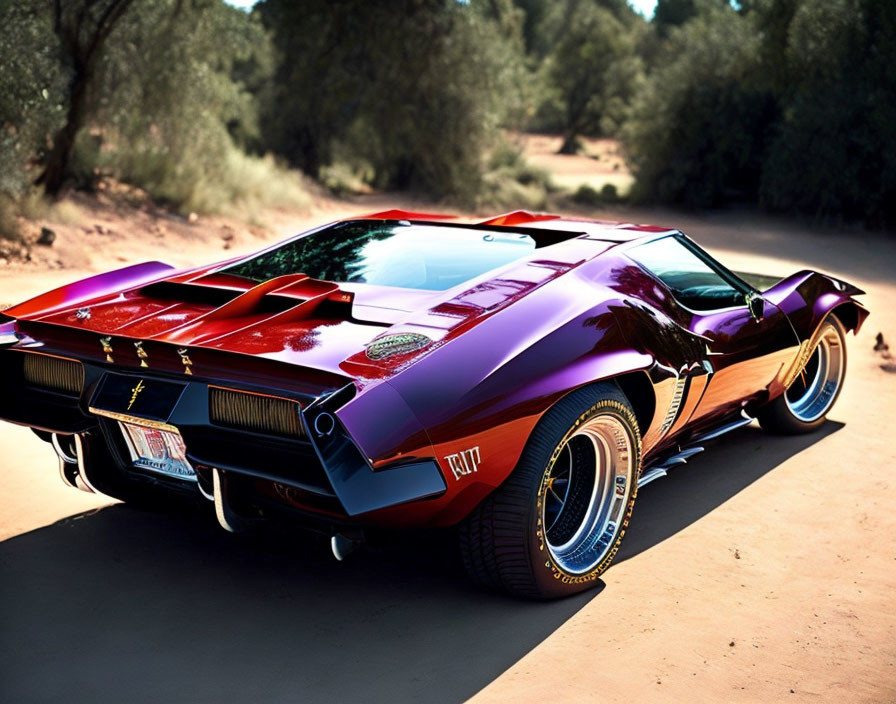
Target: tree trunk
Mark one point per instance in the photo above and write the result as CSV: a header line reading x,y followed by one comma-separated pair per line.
x,y
83,46
571,144
56,169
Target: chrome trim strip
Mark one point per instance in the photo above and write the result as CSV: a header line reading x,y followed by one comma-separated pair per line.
x,y
682,457
135,420
652,475
662,469
744,420
210,497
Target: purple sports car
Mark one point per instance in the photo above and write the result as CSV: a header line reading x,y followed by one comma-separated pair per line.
x,y
515,379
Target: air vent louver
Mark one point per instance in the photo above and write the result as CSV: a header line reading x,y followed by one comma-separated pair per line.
x,y
248,411
63,375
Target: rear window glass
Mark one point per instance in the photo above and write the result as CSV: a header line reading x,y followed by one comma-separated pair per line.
x,y
389,253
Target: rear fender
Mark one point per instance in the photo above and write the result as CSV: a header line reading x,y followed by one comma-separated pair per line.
x,y
479,397
90,288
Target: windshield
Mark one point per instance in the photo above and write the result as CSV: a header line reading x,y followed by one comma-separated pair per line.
x,y
389,253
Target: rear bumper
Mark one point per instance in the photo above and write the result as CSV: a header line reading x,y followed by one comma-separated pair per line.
x,y
309,462
359,488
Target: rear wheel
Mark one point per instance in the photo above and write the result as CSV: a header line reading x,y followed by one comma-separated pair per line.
x,y
805,404
558,520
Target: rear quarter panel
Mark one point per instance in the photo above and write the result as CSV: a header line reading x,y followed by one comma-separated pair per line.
x,y
488,388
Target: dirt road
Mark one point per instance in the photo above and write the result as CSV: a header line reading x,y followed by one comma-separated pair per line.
x,y
764,570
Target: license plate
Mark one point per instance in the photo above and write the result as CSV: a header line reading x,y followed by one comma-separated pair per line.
x,y
160,451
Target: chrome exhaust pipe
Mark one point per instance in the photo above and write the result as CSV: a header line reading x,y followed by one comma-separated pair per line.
x,y
343,544
83,479
70,451
228,520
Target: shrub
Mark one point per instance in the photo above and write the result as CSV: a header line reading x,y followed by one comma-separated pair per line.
x,y
834,152
697,129
511,182
9,223
239,185
586,195
609,193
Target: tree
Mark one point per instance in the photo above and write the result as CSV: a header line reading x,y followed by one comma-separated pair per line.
x,y
32,88
414,88
833,152
672,13
697,131
83,27
592,68
172,100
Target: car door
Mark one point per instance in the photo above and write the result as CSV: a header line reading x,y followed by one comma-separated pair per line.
x,y
749,348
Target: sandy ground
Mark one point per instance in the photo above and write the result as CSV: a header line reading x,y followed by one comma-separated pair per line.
x,y
764,570
600,162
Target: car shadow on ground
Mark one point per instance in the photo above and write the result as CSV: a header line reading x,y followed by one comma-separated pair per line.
x,y
127,605
708,480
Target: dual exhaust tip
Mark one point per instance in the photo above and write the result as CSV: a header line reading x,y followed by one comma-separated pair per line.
x,y
73,471
72,468
342,544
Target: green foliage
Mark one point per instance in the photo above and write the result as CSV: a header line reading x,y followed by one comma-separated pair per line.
x,y
833,153
591,68
672,13
32,87
415,88
171,108
161,94
790,103
609,193
787,103
696,131
587,195
590,196
510,182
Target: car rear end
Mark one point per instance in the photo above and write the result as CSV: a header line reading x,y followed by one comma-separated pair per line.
x,y
268,430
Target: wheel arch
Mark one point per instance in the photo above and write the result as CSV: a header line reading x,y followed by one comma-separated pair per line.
x,y
639,391
807,298
850,314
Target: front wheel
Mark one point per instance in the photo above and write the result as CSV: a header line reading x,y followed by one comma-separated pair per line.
x,y
558,520
803,407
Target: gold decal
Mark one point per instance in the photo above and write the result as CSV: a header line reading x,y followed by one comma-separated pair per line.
x,y
141,353
135,392
106,343
185,358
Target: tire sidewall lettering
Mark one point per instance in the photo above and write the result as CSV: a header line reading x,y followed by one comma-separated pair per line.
x,y
554,570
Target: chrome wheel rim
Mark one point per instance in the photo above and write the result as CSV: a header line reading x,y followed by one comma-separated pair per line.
x,y
586,492
813,392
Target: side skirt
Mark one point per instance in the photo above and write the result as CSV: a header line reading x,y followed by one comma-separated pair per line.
x,y
681,457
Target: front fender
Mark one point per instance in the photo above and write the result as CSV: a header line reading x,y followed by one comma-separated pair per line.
x,y
807,297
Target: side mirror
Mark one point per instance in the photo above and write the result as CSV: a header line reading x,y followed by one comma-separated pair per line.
x,y
756,304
